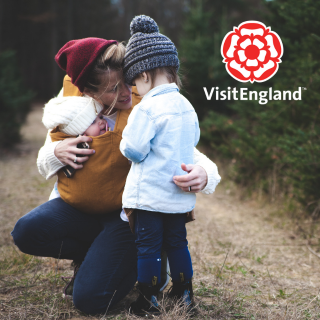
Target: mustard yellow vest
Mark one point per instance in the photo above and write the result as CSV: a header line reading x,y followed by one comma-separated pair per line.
x,y
97,188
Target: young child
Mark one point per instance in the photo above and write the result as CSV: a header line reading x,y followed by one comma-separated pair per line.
x,y
68,117
160,135
75,116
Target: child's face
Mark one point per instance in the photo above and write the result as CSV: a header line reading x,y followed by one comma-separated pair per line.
x,y
143,84
98,127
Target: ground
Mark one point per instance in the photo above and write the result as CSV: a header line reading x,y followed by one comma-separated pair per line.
x,y
249,261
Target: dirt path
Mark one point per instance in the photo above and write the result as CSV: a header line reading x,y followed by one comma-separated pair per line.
x,y
267,266
247,264
21,186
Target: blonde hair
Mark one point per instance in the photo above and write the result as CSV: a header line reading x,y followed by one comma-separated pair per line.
x,y
111,59
170,72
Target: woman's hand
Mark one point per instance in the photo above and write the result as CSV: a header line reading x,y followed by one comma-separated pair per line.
x,y
196,178
67,150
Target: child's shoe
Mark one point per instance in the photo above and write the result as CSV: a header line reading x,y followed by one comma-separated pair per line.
x,y
147,302
183,292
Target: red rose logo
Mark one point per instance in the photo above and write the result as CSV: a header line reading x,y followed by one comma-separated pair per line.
x,y
252,52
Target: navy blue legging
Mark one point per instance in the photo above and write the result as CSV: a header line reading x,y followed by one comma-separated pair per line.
x,y
156,230
105,242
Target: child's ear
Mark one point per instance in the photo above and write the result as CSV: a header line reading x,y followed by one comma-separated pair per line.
x,y
145,76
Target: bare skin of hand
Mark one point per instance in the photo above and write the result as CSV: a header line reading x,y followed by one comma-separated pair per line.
x,y
196,178
67,150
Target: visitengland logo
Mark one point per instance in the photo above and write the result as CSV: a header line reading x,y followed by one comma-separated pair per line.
x,y
252,52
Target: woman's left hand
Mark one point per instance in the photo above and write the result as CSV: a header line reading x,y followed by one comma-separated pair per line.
x,y
196,178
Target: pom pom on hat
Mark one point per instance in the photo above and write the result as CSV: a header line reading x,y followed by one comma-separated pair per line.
x,y
73,115
143,24
77,58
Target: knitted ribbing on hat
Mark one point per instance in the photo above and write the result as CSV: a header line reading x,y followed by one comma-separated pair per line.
x,y
77,58
147,49
73,115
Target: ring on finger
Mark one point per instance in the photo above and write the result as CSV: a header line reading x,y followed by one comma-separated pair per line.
x,y
190,189
75,159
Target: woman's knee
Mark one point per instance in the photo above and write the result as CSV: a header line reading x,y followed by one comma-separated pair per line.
x,y
21,234
30,230
26,230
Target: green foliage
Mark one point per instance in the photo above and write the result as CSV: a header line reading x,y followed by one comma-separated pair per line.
x,y
204,28
282,294
276,146
302,154
14,100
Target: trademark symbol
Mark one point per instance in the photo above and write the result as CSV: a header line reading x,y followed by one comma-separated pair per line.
x,y
304,88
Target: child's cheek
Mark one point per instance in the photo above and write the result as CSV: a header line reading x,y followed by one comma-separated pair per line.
x,y
91,131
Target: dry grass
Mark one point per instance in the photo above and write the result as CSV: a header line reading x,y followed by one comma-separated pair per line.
x,y
267,273
249,261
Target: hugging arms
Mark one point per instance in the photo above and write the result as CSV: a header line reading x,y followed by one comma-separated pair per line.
x,y
102,246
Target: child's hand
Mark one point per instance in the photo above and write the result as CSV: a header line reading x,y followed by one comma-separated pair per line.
x,y
196,178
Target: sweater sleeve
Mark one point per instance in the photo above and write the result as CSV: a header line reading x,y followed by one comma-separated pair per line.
x,y
210,167
48,164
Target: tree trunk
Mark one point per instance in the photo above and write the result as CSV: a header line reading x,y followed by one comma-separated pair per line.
x,y
54,46
1,15
70,20
130,8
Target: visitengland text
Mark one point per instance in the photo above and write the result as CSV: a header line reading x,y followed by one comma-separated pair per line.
x,y
244,94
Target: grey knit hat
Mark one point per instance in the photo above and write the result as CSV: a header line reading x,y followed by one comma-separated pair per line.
x,y
147,49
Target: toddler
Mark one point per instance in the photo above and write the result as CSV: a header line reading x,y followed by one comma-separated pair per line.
x,y
160,135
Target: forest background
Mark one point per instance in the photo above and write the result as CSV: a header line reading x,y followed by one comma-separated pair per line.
x,y
273,149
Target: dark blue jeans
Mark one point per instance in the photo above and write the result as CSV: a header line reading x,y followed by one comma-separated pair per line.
x,y
109,269
156,230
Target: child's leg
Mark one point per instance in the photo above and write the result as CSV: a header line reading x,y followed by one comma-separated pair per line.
x,y
149,235
176,244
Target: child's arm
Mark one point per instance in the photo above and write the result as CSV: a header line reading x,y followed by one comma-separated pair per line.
x,y
136,136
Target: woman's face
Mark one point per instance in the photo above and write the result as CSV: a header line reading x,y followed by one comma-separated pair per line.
x,y
114,88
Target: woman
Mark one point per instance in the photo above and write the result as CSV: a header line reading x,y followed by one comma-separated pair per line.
x,y
103,245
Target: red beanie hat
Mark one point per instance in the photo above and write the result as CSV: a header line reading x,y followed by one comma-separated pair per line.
x,y
77,58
